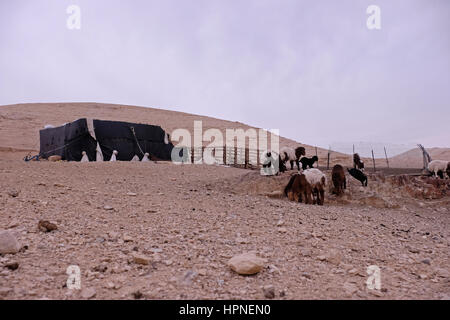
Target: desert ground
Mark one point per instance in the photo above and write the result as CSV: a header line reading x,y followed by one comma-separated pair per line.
x,y
158,230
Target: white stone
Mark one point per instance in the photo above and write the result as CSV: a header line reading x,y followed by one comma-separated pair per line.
x,y
246,263
8,242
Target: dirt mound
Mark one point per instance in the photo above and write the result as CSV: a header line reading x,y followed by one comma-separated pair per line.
x,y
382,191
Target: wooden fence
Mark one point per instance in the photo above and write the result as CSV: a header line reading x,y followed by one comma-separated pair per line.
x,y
230,156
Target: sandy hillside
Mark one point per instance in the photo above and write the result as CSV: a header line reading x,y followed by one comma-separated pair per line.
x,y
20,124
413,158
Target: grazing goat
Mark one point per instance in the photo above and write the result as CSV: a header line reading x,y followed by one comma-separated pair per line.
x,y
288,154
318,181
292,155
282,165
357,163
271,157
358,175
308,162
299,152
436,166
298,189
339,181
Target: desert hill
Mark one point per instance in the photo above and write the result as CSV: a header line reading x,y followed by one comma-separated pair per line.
x,y
413,158
20,123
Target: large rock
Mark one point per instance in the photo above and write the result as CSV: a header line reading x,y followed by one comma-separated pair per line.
x,y
88,293
275,195
46,226
246,263
375,202
141,259
54,158
8,242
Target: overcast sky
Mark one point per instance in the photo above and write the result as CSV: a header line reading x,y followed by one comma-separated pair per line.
x,y
310,68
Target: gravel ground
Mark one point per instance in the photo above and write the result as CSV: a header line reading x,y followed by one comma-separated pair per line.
x,y
186,222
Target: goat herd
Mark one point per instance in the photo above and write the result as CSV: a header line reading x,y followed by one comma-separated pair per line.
x,y
308,185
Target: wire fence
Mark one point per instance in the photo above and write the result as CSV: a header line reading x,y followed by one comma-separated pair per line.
x,y
379,156
374,160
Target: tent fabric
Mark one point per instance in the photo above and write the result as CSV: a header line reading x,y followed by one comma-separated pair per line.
x,y
71,139
90,124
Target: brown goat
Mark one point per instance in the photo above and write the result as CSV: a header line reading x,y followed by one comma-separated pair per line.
x,y
339,181
298,189
318,191
357,163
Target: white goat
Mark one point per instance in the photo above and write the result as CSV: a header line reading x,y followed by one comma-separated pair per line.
x,y
315,176
318,180
439,165
288,154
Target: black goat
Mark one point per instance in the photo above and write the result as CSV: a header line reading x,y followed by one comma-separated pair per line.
x,y
357,162
308,162
358,175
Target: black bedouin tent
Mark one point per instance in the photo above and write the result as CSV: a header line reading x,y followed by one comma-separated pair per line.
x,y
93,136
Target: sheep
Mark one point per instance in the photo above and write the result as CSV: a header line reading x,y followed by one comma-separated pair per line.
x,y
339,181
439,165
308,162
288,154
292,155
269,158
358,175
298,189
357,162
318,181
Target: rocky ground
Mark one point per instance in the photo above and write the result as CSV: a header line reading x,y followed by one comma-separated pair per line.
x,y
161,231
